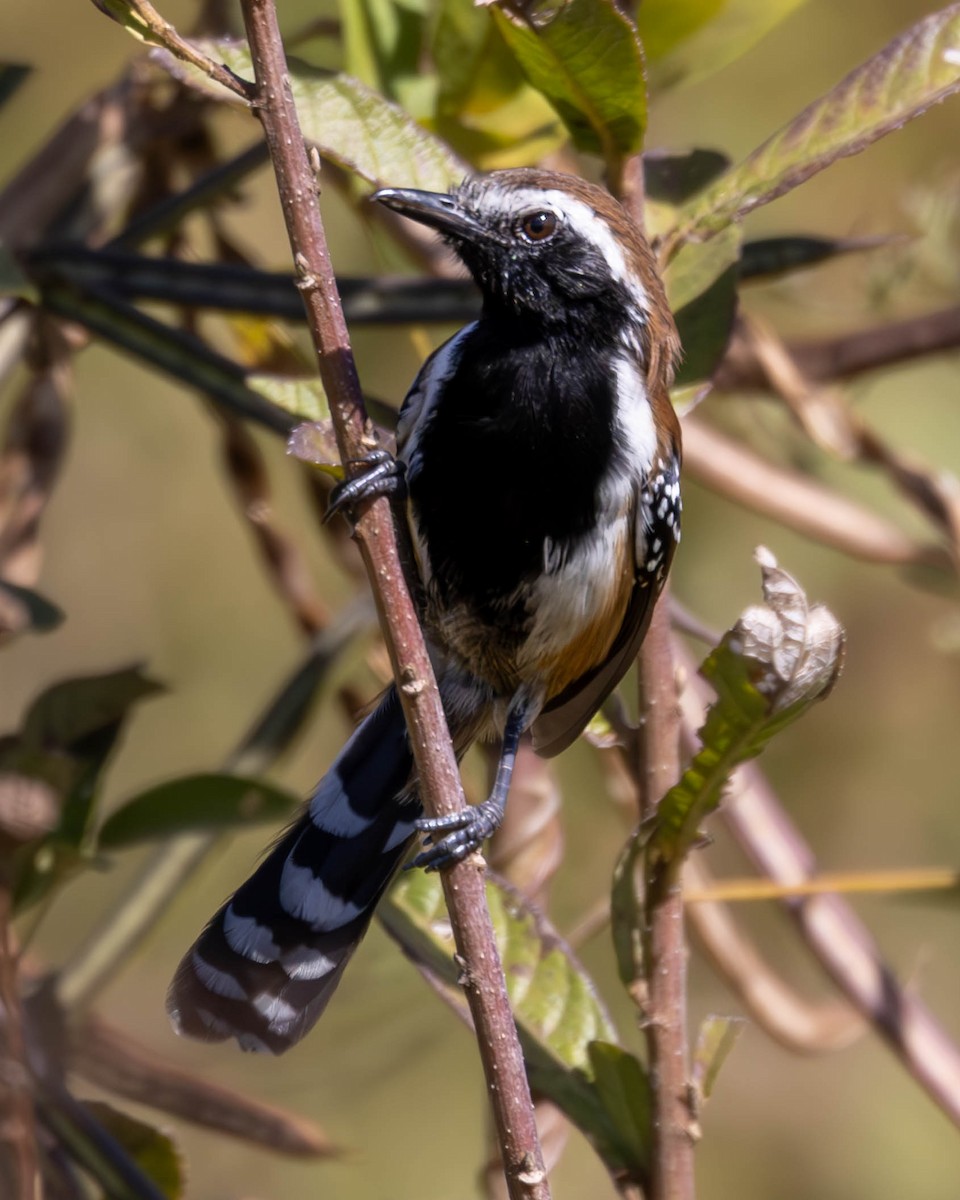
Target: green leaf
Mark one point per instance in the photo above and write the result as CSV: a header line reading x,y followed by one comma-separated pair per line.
x,y
301,398
484,106
68,735
717,1037
764,258
70,713
687,40
153,1152
701,282
769,668
348,122
586,59
672,178
624,1091
125,13
383,47
40,614
558,1013
193,804
12,75
917,69
697,265
705,325
79,1135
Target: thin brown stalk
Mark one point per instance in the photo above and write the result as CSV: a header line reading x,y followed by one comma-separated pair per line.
x,y
841,943
847,355
279,553
800,503
665,951
802,1026
102,1054
439,780
19,1164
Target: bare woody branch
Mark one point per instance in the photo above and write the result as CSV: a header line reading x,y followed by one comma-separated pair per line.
x,y
843,946
439,780
847,355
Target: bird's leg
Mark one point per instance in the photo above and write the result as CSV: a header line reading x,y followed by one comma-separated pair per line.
x,y
383,475
468,829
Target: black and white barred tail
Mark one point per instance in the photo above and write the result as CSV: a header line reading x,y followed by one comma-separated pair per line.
x,y
265,967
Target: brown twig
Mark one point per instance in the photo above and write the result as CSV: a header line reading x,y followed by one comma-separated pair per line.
x,y
280,554
849,354
841,943
19,1165
102,1054
802,1026
824,415
800,503
438,776
664,947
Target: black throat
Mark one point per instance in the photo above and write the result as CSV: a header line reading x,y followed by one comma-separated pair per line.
x,y
511,457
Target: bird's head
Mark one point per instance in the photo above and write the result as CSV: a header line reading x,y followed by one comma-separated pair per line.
x,y
550,249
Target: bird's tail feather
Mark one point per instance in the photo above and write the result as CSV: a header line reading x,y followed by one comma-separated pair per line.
x,y
265,967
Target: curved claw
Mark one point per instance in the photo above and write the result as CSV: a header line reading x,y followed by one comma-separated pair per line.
x,y
466,831
382,475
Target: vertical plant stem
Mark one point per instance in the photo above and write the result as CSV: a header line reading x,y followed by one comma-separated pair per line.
x,y
18,1134
439,779
665,952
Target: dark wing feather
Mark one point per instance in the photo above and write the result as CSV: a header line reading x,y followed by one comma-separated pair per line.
x,y
562,720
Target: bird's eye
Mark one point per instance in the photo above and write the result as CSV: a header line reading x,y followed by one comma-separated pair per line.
x,y
539,225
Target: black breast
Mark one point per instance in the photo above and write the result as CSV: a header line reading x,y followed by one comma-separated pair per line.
x,y
512,455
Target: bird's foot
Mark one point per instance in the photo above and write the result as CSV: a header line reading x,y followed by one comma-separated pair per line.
x,y
465,832
383,475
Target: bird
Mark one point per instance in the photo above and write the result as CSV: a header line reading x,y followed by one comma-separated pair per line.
x,y
538,472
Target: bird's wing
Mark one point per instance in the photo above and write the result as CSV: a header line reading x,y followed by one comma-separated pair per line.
x,y
564,717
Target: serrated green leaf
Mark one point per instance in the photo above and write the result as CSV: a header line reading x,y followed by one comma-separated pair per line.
x,y
586,59
154,1152
558,1013
777,660
917,69
717,1037
349,123
193,804
687,40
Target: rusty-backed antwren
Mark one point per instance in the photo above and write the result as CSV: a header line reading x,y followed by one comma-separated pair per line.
x,y
538,467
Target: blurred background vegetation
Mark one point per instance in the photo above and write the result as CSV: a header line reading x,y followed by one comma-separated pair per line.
x,y
145,551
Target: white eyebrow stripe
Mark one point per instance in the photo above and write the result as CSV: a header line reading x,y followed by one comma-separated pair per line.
x,y
587,223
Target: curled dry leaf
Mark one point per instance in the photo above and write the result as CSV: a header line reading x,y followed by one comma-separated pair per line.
x,y
799,647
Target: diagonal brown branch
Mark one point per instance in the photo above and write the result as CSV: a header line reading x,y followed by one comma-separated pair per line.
x,y
436,764
842,945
